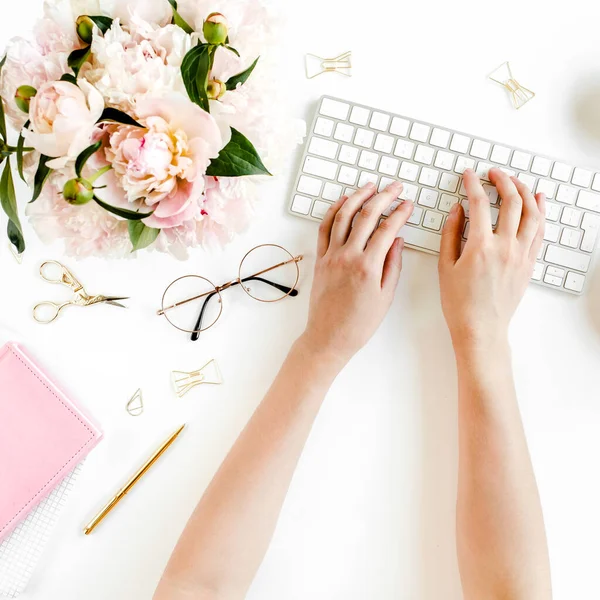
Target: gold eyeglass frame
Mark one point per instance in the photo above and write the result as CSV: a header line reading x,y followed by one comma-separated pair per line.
x,y
238,281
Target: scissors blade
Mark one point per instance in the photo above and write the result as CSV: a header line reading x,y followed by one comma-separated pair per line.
x,y
112,300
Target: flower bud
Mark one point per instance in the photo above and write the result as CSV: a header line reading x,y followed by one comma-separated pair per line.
x,y
78,191
23,97
85,29
215,89
216,29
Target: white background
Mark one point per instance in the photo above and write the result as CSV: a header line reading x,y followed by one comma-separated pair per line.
x,y
371,510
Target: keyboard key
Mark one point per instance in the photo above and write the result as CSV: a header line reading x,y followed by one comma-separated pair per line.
x,y
538,271
494,213
575,281
324,126
433,220
335,108
447,201
428,197
552,211
492,193
463,163
582,178
500,155
421,239
419,132
463,190
404,149
389,165
509,172
596,183
380,121
482,170
416,216
324,148
320,168
347,175
368,160
554,276
541,166
440,138
589,201
332,192
348,155
528,180
520,160
444,160
301,204
344,132
399,126
460,143
449,182
480,149
309,185
570,237
566,194
424,154
349,191
547,187
384,143
552,232
466,230
360,116
429,177
409,192
562,172
320,209
364,138
390,209
591,227
384,182
408,171
366,177
571,217
567,258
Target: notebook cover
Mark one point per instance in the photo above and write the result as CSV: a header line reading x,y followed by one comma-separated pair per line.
x,y
43,436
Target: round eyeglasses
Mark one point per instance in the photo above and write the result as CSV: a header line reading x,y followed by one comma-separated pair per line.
x,y
267,273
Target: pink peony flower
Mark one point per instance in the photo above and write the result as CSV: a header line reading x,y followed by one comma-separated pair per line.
x,y
63,117
162,167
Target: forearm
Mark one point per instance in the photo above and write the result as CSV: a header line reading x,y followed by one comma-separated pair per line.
x,y
502,547
230,530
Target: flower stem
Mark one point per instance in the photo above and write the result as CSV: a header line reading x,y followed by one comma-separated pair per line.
x,y
99,173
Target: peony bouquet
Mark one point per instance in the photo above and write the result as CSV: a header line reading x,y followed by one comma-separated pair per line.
x,y
141,123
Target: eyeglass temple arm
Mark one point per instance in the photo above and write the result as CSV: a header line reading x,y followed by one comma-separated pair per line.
x,y
282,288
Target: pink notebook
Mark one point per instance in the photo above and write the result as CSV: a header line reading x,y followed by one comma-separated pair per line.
x,y
43,436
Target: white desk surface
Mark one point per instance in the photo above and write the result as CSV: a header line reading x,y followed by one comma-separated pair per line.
x,y
370,514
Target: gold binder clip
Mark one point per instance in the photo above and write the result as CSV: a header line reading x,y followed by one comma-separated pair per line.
x,y
135,406
209,374
316,65
18,257
519,95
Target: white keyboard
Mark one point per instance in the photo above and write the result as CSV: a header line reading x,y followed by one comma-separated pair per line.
x,y
350,145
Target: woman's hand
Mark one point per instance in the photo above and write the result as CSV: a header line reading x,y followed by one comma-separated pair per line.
x,y
357,271
482,288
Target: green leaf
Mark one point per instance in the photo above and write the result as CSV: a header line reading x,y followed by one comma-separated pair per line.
x,y
141,235
85,156
15,235
78,58
178,19
69,78
242,77
118,116
8,199
103,23
195,70
122,212
20,148
237,159
233,50
2,117
41,176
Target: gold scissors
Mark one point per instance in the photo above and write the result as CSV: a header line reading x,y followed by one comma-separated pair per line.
x,y
54,272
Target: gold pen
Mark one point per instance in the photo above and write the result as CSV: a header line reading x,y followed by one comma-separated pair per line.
x,y
125,489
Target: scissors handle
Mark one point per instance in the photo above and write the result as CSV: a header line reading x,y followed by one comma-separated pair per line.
x,y
54,272
47,312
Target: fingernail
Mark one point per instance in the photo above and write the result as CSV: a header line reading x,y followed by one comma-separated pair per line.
x,y
454,209
369,185
401,243
396,185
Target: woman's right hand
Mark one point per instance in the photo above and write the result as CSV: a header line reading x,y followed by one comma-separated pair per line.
x,y
482,287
